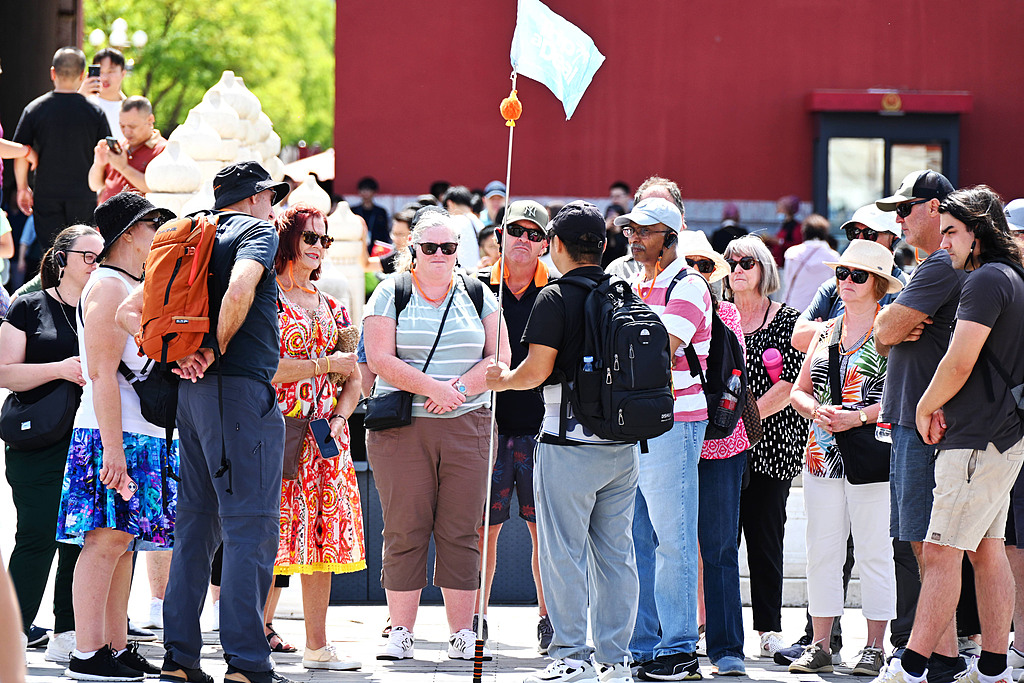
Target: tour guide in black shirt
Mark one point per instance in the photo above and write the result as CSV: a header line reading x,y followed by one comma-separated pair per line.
x,y
242,505
585,487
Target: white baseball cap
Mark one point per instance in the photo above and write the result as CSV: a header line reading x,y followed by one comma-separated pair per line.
x,y
876,219
1015,214
651,211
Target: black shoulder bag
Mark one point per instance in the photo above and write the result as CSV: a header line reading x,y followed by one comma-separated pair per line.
x,y
865,458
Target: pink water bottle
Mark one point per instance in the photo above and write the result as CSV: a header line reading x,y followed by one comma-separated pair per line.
x,y
773,364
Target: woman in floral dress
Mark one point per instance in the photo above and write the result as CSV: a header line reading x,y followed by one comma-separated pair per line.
x,y
321,519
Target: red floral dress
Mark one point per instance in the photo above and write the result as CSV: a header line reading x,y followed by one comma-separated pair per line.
x,y
321,518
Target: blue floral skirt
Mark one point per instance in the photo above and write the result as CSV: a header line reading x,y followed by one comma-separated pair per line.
x,y
86,504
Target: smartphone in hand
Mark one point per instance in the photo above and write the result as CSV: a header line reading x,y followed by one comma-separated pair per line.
x,y
113,145
128,488
321,430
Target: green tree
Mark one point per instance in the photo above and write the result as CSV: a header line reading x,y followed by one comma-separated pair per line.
x,y
284,50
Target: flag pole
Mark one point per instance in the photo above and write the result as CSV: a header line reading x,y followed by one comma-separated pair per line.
x,y
478,653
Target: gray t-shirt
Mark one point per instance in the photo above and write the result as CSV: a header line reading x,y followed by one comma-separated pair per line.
x,y
993,296
934,289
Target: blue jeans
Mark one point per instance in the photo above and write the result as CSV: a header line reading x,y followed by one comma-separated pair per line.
x,y
717,529
911,480
585,503
665,542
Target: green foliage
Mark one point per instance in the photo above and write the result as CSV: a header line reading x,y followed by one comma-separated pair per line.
x,y
284,50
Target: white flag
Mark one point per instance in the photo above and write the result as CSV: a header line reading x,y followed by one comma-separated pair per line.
x,y
555,52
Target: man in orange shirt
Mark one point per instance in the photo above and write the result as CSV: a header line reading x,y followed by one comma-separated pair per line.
x,y
115,171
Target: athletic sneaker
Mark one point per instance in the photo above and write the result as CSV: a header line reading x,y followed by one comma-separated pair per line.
x,y
139,635
156,614
172,672
971,675
893,673
236,675
614,673
462,645
476,623
787,655
940,672
545,632
968,647
560,671
870,661
133,660
327,657
399,645
1014,658
102,666
730,666
814,660
680,666
36,636
60,647
771,642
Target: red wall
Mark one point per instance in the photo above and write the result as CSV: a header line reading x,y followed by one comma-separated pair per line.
x,y
711,94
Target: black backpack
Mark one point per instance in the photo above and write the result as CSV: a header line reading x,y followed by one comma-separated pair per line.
x,y
725,355
625,393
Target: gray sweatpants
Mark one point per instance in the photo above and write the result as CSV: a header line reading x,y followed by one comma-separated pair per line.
x,y
247,520
585,497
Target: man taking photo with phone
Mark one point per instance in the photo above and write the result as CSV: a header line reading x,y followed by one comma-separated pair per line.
x,y
119,167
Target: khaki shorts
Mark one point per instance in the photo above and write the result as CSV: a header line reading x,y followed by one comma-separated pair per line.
x,y
972,495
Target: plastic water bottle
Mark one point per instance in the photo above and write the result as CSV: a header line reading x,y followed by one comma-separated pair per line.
x,y
883,432
730,398
588,363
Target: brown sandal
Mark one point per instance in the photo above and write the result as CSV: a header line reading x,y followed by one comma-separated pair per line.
x,y
281,646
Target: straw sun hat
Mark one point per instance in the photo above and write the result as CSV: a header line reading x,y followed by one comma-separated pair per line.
x,y
872,258
695,243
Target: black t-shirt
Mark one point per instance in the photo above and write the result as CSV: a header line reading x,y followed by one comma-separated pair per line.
x,y
993,296
517,413
49,334
376,218
255,349
63,129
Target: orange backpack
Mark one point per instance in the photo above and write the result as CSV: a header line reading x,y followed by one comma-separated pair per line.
x,y
176,295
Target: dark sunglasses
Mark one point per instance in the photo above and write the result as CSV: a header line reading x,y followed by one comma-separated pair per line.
x,y
853,233
858,276
310,238
704,265
746,263
519,231
447,248
903,210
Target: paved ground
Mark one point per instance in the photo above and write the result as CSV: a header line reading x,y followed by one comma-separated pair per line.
x,y
356,633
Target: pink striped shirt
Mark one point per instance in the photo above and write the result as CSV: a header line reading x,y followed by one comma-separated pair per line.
x,y
687,316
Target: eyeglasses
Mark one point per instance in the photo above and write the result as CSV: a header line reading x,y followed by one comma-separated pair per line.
x,y
447,248
868,234
519,231
858,276
310,238
88,256
704,265
746,263
643,232
903,210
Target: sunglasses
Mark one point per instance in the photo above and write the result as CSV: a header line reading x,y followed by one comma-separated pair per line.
x,y
310,238
704,265
643,233
447,248
903,210
519,231
746,263
88,256
858,276
864,233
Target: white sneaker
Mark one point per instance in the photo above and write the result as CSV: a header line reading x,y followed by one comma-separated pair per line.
x,y
462,645
215,622
893,673
971,675
771,642
60,647
1014,658
614,673
328,658
156,614
559,671
398,646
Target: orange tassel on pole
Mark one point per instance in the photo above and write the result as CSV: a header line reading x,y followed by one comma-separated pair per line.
x,y
511,109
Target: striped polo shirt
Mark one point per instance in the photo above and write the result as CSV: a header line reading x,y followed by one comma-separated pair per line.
x,y
687,316
460,348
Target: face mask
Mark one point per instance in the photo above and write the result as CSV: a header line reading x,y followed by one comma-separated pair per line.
x,y
780,216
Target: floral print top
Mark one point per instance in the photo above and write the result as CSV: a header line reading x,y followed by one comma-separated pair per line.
x,y
863,376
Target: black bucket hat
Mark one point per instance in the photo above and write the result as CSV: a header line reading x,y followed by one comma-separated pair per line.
x,y
242,180
116,215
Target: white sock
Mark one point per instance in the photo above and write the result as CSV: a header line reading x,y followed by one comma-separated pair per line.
x,y
78,654
1008,674
118,653
574,663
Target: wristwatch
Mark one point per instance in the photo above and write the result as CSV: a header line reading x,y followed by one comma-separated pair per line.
x,y
460,387
863,417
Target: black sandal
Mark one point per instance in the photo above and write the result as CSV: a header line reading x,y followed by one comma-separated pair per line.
x,y
281,646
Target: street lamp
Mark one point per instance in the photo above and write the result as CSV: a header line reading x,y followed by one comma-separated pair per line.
x,y
119,38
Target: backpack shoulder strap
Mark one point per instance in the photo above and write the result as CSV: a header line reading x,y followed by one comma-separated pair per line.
x,y
403,293
835,386
475,289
